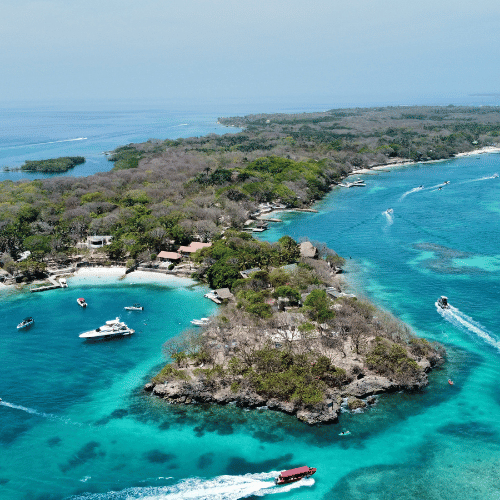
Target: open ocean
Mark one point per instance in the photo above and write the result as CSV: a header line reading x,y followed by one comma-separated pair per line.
x,y
74,422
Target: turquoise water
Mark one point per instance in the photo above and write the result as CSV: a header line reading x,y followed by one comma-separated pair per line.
x,y
89,130
75,423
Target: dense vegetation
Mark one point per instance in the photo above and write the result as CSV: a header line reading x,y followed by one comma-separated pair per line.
x,y
164,193
54,165
299,354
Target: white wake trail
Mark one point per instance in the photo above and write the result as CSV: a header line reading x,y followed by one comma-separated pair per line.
x,y
43,143
32,411
414,190
464,322
218,488
389,218
486,178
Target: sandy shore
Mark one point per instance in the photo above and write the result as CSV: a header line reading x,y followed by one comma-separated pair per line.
x,y
485,150
98,275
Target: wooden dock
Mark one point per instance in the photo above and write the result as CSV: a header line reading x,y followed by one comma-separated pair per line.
x,y
55,284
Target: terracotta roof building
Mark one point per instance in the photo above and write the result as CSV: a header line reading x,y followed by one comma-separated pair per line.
x,y
169,256
193,246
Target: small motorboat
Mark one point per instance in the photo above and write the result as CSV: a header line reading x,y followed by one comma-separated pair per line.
x,y
26,323
81,302
389,211
345,433
63,283
450,381
495,175
135,307
446,182
112,328
442,302
292,475
200,322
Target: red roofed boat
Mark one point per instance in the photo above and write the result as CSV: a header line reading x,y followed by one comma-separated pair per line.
x,y
289,476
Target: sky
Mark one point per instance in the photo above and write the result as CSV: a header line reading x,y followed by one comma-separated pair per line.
x,y
372,50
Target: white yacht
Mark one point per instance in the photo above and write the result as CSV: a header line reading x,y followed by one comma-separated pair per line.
x,y
200,322
112,328
135,307
25,323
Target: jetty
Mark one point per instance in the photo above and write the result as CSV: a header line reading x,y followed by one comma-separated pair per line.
x,y
53,285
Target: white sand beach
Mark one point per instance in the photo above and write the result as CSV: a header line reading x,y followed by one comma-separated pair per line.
x,y
96,275
485,150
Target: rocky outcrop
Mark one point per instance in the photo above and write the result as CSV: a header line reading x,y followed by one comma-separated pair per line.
x,y
182,392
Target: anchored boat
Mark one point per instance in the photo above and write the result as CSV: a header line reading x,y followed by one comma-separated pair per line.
x,y
25,323
112,328
292,475
135,307
81,302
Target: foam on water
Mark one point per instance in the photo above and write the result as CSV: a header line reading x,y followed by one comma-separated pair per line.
x,y
414,190
464,322
38,413
44,143
218,488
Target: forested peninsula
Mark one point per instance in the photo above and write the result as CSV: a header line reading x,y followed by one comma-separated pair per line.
x,y
165,193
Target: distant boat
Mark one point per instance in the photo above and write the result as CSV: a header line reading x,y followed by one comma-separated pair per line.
x,y
442,302
495,175
26,323
135,307
112,328
200,322
81,302
292,475
63,283
389,211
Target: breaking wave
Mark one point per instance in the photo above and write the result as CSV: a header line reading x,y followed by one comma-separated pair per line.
x,y
218,488
464,322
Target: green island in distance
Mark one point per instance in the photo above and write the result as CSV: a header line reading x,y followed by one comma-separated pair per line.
x,y
163,194
54,165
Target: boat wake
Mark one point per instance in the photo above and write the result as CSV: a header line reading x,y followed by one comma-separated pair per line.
x,y
464,322
44,143
218,488
32,411
389,216
486,178
414,190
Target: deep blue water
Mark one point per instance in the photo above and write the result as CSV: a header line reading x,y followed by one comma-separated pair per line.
x,y
74,421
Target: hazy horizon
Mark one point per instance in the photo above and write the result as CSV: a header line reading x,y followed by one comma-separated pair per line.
x,y
360,52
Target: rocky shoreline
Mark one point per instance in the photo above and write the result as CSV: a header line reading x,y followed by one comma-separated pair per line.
x,y
360,393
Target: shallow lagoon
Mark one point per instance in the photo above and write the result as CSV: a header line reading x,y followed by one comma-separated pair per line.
x,y
83,427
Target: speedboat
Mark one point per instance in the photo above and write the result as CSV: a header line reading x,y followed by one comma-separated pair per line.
x,y
135,307
200,322
389,211
26,323
442,302
81,302
495,175
292,475
112,328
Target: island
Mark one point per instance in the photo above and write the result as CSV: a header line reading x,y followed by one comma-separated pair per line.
x,y
288,339
54,165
